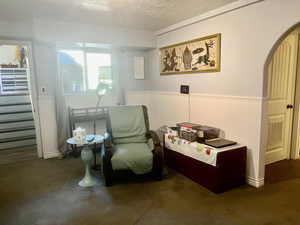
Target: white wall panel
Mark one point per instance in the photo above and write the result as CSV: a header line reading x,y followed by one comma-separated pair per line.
x,y
48,126
167,108
237,117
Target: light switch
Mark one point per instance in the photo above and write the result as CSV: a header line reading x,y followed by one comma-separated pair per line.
x,y
43,90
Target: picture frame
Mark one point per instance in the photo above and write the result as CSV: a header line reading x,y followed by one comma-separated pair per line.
x,y
201,55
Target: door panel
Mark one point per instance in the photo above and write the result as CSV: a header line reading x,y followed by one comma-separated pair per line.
x,y
281,87
275,131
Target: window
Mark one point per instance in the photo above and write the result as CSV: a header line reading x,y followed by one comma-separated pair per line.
x,y
82,69
98,69
72,70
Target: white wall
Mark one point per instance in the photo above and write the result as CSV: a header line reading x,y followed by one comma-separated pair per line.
x,y
248,35
16,30
54,31
45,63
8,54
126,62
44,35
48,126
236,116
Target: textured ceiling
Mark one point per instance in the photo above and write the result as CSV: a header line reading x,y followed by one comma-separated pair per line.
x,y
138,14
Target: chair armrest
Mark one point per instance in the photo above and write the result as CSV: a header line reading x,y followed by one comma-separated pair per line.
x,y
158,152
158,162
154,137
108,140
106,155
107,147
107,152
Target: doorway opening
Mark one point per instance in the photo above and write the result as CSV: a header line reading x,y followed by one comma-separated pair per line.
x,y
18,118
282,108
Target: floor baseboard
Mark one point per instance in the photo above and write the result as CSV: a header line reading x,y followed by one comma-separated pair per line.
x,y
256,182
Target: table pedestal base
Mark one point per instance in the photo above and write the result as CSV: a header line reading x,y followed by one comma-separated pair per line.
x,y
88,182
87,157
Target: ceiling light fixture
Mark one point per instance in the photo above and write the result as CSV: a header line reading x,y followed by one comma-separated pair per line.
x,y
101,5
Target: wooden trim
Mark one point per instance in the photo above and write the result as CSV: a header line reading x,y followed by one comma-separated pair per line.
x,y
202,95
191,72
295,143
256,182
218,59
49,155
213,13
191,41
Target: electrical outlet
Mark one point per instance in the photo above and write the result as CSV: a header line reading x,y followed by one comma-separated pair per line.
x,y
184,89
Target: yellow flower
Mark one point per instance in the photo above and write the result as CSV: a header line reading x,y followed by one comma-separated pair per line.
x,y
18,53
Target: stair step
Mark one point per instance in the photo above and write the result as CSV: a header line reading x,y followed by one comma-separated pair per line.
x,y
16,121
11,109
22,138
17,124
16,134
16,112
16,116
17,98
17,144
17,150
14,129
17,155
14,104
20,155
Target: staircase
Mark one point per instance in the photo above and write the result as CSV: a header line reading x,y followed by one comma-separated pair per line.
x,y
16,122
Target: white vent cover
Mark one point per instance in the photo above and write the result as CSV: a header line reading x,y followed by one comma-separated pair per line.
x,y
139,72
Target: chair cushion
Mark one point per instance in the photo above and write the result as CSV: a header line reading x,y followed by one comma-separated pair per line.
x,y
128,124
136,157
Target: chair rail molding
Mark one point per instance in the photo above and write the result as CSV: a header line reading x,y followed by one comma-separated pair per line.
x,y
238,117
196,95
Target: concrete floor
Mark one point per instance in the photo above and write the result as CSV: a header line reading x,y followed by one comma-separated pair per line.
x,y
282,171
21,154
45,192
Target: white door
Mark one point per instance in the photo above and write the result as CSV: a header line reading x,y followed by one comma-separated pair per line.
x,y
280,99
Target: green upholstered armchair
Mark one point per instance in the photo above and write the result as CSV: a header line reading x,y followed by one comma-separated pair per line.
x,y
130,146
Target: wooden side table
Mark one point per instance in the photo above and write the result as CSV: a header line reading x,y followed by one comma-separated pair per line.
x,y
87,157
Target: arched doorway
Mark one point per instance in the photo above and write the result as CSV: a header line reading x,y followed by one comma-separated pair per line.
x,y
281,106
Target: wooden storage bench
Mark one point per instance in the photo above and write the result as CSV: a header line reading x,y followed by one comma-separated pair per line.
x,y
228,172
